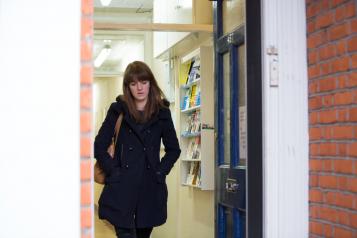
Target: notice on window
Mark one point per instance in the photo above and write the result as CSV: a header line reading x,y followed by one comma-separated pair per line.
x,y
242,132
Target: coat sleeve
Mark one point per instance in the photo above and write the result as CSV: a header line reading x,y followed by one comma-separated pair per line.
x,y
172,148
104,139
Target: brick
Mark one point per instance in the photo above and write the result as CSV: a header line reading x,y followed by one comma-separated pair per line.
x,y
86,122
86,193
328,214
316,228
352,44
335,3
328,116
354,61
327,84
352,184
342,183
327,52
313,180
350,9
328,100
315,165
315,195
327,149
313,118
312,10
311,26
86,50
327,133
86,97
312,57
353,114
86,218
352,149
314,149
343,218
313,87
341,149
353,26
338,31
342,132
86,169
313,211
86,147
315,102
343,166
353,219
87,7
328,230
325,68
352,79
315,133
86,27
342,115
343,233
343,98
313,71
330,198
342,81
86,74
327,181
324,20
344,200
340,64
327,165
341,47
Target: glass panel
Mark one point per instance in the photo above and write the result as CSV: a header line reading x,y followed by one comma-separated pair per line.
x,y
233,12
242,106
227,109
229,222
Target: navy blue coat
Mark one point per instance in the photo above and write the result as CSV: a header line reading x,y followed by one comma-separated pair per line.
x,y
135,191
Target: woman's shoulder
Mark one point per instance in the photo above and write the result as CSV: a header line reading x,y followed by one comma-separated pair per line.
x,y
117,106
165,112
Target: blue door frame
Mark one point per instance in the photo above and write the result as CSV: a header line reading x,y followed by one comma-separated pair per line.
x,y
239,211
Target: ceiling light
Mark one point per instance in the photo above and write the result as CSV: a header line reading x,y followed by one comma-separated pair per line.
x,y
105,2
102,56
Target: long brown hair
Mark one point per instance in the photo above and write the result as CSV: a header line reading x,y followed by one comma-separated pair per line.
x,y
138,70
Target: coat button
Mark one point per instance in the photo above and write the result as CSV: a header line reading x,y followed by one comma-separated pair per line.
x,y
130,130
144,149
126,166
148,167
148,131
130,148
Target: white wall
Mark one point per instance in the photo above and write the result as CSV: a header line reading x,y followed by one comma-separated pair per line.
x,y
285,118
39,123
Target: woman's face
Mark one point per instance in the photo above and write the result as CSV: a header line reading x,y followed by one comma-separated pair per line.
x,y
139,90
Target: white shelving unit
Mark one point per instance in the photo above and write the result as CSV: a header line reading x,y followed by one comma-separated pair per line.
x,y
197,169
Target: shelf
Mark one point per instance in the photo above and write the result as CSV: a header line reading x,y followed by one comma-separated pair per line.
x,y
190,185
191,160
191,109
190,135
186,86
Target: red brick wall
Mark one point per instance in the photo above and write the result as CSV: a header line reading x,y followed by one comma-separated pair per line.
x,y
332,62
86,119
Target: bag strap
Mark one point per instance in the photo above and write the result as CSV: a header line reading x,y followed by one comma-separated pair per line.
x,y
117,127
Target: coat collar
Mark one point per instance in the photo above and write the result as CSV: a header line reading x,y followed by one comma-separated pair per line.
x,y
163,114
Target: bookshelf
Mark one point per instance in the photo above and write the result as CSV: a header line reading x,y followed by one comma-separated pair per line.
x,y
197,118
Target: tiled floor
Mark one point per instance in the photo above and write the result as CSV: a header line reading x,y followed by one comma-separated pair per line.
x,y
103,229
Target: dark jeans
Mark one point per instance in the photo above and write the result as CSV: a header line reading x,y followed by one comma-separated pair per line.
x,y
133,233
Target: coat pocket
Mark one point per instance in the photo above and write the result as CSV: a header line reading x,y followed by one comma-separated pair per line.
x,y
160,177
115,176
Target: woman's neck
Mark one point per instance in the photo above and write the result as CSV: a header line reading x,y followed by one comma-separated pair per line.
x,y
140,105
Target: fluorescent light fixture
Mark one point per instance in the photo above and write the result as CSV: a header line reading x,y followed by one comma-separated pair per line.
x,y
102,56
105,2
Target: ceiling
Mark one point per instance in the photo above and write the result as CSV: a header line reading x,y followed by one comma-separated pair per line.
x,y
126,46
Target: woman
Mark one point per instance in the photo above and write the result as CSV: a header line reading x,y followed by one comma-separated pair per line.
x,y
135,194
